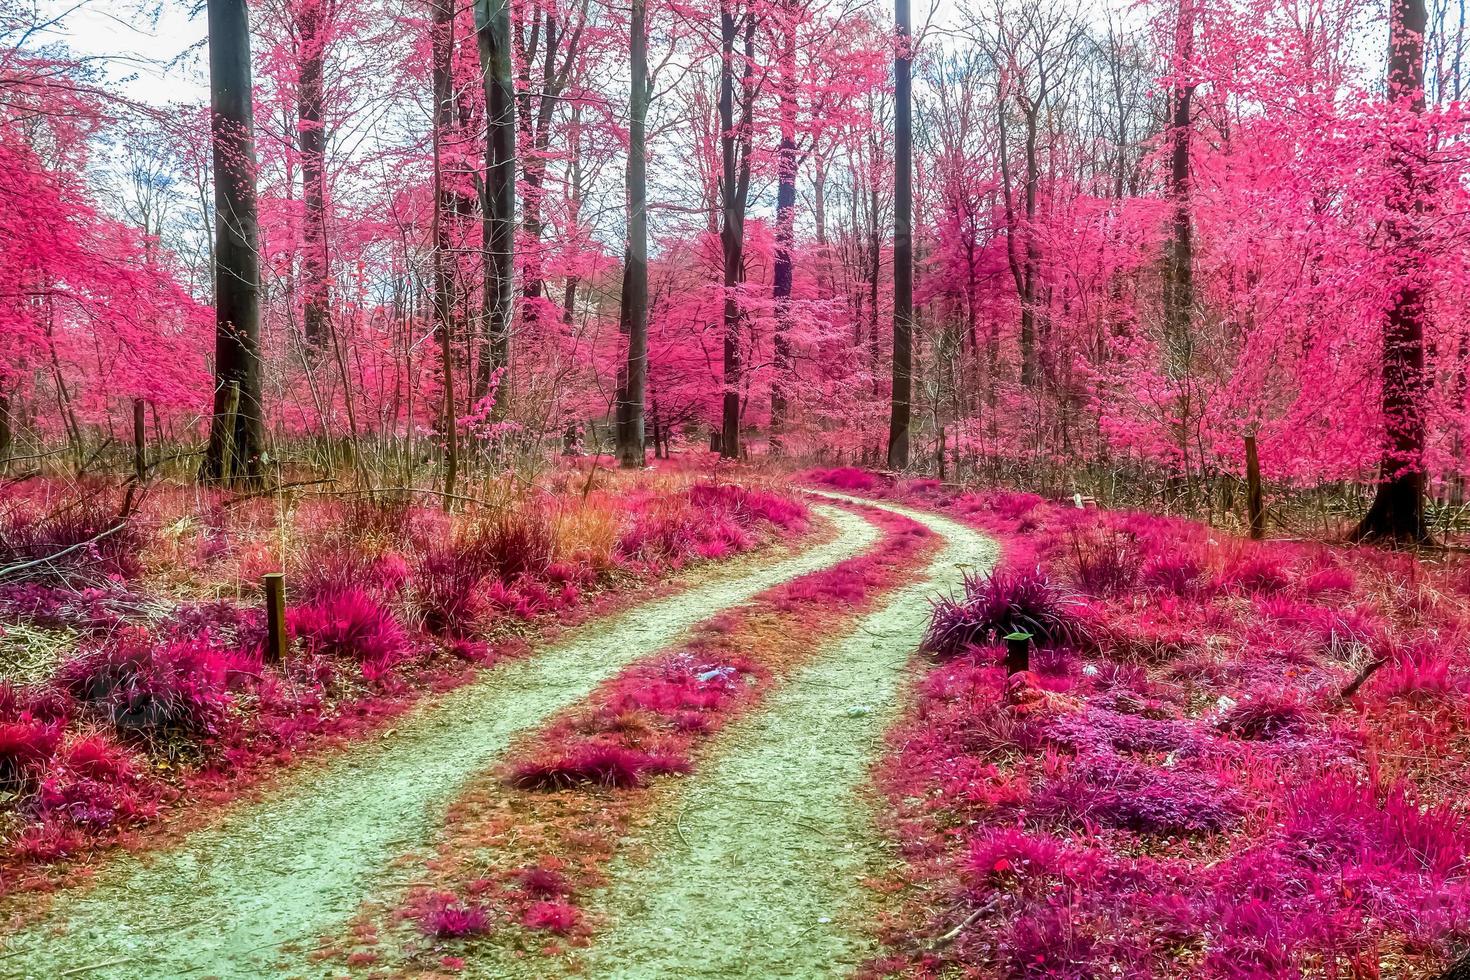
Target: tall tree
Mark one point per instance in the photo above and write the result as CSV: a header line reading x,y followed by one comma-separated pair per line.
x,y
1179,261
903,243
553,38
313,24
441,47
782,271
237,428
735,143
1397,511
634,312
492,26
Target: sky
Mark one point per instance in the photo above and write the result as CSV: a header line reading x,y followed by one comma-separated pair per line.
x,y
150,51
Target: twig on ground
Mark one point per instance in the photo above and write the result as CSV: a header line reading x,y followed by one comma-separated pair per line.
x,y
1362,678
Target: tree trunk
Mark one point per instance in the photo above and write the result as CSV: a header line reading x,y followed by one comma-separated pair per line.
x,y
442,45
635,282
311,26
1179,265
782,272
236,254
492,26
1254,505
734,189
1397,512
903,249
1031,269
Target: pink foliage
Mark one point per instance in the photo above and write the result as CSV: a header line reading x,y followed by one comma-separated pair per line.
x,y
445,916
351,624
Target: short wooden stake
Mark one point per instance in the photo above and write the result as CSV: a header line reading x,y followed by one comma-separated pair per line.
x,y
1018,653
275,617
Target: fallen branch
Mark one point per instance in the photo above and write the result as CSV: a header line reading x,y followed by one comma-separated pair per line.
x,y
12,569
954,933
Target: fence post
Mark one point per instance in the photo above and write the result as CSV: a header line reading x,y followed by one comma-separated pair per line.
x,y
275,616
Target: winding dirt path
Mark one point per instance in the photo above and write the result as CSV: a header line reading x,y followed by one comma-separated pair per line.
x,y
759,874
275,875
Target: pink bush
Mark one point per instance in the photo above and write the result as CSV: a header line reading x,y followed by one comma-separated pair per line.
x,y
96,784
995,605
157,691
445,916
26,746
351,624
845,478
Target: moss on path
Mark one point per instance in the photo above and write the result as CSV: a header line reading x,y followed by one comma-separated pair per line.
x,y
759,871
261,886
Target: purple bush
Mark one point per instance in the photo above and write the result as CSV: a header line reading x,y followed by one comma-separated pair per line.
x,y
596,765
27,536
157,691
445,916
1000,603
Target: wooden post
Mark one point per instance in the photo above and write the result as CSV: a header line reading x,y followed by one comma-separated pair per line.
x,y
227,454
1018,653
275,617
140,466
942,474
1255,509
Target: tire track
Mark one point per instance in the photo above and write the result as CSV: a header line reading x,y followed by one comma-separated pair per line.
x,y
761,873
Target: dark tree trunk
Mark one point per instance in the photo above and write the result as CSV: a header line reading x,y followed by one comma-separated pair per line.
x,y
442,45
1255,507
236,439
903,249
554,38
1031,268
7,432
492,26
1179,262
635,280
311,26
782,272
734,193
1397,512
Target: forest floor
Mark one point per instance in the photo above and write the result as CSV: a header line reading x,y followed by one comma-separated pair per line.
x,y
730,870
1225,759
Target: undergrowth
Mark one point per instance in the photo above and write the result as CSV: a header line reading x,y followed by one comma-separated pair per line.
x,y
1182,786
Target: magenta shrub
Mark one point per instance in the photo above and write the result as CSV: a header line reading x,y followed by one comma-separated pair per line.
x,y
1263,716
542,882
1109,791
26,746
165,693
552,916
995,605
445,916
845,478
350,624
